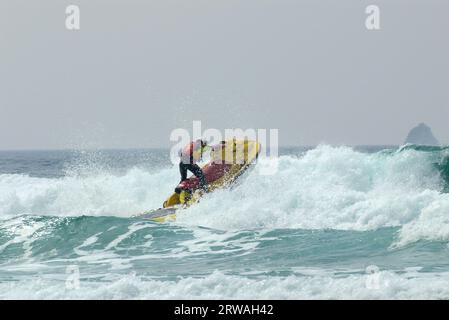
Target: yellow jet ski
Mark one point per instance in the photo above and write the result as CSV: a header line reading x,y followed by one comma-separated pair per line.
x,y
229,160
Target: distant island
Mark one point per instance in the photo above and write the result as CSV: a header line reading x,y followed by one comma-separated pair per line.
x,y
422,135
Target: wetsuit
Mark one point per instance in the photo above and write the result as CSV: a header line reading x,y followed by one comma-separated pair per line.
x,y
191,154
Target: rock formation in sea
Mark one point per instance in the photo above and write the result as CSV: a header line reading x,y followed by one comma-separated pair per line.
x,y
422,135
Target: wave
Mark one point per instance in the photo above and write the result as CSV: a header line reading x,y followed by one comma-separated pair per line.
x,y
335,188
218,285
324,188
102,193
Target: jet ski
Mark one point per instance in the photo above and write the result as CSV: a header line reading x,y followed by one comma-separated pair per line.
x,y
228,161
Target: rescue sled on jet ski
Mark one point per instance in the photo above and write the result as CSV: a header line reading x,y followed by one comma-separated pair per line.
x,y
228,161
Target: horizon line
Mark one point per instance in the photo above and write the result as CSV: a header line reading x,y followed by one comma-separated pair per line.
x,y
166,148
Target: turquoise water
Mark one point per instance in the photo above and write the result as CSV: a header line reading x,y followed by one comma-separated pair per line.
x,y
330,222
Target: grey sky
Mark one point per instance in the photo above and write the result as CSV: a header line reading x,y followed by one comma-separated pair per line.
x,y
138,69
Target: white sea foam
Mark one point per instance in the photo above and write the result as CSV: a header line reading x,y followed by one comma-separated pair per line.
x,y
328,187
335,188
385,285
100,194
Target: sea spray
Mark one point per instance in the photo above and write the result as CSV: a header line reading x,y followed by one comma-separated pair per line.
x,y
316,229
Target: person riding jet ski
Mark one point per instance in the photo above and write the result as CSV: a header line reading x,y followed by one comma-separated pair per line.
x,y
189,156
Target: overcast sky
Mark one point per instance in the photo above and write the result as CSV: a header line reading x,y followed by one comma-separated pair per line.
x,y
136,70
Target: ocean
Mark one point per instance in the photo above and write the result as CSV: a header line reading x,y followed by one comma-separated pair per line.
x,y
330,223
